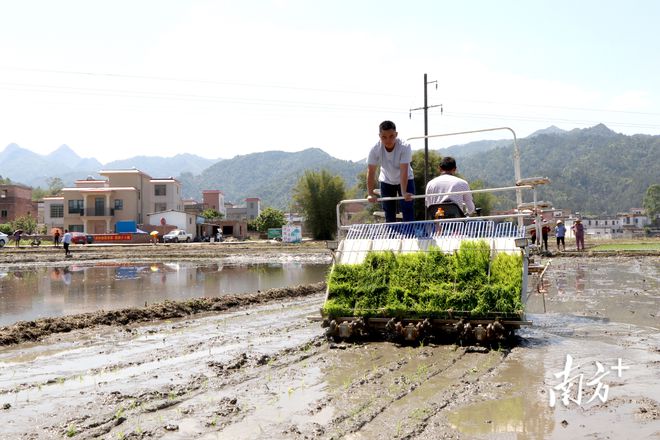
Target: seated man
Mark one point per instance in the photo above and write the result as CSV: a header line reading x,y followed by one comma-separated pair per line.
x,y
449,205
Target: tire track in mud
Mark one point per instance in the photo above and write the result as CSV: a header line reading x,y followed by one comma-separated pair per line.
x,y
398,399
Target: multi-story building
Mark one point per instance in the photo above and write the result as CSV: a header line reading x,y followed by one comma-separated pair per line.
x,y
53,212
16,201
96,205
214,199
247,212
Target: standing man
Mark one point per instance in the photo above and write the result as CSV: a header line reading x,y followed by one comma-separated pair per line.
x,y
396,174
545,231
450,205
66,241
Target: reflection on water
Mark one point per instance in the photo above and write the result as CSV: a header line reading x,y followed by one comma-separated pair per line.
x,y
519,411
55,291
620,290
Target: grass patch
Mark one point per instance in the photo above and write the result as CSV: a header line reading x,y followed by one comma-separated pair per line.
x,y
427,284
627,247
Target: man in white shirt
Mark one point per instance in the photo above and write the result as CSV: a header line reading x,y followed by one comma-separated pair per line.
x,y
396,175
447,182
66,242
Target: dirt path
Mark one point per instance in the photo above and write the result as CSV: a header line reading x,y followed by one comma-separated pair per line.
x,y
25,256
263,371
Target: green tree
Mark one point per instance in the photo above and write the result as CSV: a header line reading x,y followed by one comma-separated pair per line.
x,y
269,218
55,185
316,195
5,181
27,223
652,202
359,191
485,201
211,214
39,193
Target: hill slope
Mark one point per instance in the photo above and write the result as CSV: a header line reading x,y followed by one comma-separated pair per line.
x,y
270,175
593,170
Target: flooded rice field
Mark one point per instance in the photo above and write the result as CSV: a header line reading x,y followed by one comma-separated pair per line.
x,y
587,368
28,293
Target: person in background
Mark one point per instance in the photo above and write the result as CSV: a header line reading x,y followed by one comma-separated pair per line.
x,y
56,238
448,182
560,233
545,230
66,241
578,231
17,238
396,174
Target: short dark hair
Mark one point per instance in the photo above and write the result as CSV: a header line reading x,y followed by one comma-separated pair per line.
x,y
448,163
387,125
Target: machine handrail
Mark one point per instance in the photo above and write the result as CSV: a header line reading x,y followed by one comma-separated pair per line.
x,y
419,196
516,150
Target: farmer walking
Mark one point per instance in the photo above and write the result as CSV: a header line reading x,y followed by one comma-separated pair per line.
x,y
66,241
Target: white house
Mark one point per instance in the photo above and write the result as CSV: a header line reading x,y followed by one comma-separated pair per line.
x,y
182,220
623,225
53,212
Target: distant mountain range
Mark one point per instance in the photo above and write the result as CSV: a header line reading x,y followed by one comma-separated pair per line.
x,y
32,169
593,170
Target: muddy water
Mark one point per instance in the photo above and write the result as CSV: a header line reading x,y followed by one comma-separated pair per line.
x,y
605,315
31,293
265,373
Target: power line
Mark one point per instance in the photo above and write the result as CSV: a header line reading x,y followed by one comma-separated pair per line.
x,y
201,81
118,93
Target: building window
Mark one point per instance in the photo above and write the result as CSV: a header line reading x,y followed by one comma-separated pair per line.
x,y
56,211
159,207
3,194
76,228
119,204
3,213
160,190
75,207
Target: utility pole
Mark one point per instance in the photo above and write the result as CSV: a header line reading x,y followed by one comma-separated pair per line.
x,y
426,126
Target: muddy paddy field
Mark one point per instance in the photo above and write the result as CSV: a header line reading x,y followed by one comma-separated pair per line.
x,y
252,366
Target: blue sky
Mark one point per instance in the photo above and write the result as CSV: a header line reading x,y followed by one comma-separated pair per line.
x,y
221,78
